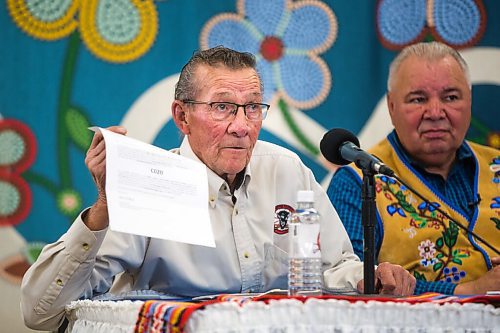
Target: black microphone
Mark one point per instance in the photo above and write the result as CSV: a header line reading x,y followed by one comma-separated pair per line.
x,y
341,147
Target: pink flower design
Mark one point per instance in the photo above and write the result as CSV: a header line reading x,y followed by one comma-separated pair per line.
x,y
427,249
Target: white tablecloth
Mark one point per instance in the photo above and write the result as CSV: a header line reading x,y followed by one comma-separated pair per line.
x,y
290,316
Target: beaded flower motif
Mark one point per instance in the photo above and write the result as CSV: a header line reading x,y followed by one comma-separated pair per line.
x,y
115,31
17,153
287,38
459,23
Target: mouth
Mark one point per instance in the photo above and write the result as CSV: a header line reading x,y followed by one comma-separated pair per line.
x,y
434,133
235,148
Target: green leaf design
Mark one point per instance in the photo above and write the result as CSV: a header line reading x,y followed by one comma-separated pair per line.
x,y
437,266
496,221
400,196
439,243
457,261
446,237
407,207
440,255
414,216
77,125
419,276
453,233
450,235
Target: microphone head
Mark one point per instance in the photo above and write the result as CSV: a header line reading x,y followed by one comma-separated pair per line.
x,y
331,143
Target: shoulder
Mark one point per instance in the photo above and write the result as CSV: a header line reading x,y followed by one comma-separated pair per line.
x,y
279,161
268,150
382,148
175,151
483,150
346,174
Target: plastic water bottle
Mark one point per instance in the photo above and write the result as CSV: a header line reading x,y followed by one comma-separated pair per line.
x,y
304,272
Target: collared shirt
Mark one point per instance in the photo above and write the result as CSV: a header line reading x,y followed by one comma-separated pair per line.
x,y
250,253
345,193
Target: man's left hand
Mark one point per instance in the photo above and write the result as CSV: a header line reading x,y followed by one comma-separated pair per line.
x,y
392,280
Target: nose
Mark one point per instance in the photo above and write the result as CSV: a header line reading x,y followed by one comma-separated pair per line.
x,y
239,125
435,109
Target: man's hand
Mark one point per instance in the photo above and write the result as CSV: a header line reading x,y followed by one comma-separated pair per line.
x,y
95,160
392,280
488,282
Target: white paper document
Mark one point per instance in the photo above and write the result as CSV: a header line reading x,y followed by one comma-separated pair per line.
x,y
153,192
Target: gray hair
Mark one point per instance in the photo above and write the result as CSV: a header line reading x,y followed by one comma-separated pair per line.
x,y
430,51
218,56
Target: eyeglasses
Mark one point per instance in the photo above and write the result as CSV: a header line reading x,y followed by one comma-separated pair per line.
x,y
223,110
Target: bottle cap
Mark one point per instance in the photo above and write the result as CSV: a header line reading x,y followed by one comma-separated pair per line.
x,y
305,196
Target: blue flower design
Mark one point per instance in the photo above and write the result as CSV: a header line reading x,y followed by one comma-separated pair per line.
x,y
453,274
391,209
286,37
495,203
459,23
426,206
389,180
495,168
428,261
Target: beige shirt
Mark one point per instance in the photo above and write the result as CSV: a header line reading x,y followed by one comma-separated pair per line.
x,y
250,253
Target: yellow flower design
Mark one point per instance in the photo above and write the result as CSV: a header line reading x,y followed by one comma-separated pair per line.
x,y
113,30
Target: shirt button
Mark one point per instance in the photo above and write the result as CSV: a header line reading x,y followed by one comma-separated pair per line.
x,y
86,246
246,255
236,212
59,282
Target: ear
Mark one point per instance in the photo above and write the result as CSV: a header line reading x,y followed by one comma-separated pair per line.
x,y
179,114
391,106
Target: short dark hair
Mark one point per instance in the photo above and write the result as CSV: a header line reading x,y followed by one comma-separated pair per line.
x,y
214,57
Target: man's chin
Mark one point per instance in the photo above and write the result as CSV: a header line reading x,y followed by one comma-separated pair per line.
x,y
234,167
436,145
436,154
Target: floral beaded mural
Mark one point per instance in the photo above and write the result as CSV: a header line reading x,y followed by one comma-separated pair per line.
x,y
70,64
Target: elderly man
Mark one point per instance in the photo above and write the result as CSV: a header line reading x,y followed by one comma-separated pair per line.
x,y
218,107
429,100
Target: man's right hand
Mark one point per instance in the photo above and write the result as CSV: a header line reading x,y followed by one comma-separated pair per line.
x,y
488,282
95,160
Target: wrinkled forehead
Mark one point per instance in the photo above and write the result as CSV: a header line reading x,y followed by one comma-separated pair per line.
x,y
224,81
444,71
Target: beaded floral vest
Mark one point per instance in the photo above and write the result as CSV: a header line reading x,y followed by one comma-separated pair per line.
x,y
422,240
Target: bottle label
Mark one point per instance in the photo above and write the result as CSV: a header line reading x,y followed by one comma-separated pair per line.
x,y
304,240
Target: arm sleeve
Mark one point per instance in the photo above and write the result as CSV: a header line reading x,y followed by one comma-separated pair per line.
x,y
61,274
441,287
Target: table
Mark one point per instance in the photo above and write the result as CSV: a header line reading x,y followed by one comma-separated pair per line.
x,y
227,313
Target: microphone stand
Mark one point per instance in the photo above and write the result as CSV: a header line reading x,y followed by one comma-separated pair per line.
x,y
368,217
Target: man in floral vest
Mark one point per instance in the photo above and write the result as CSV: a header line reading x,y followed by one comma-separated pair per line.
x,y
429,100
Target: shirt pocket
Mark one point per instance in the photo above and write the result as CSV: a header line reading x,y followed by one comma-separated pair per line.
x,y
276,267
